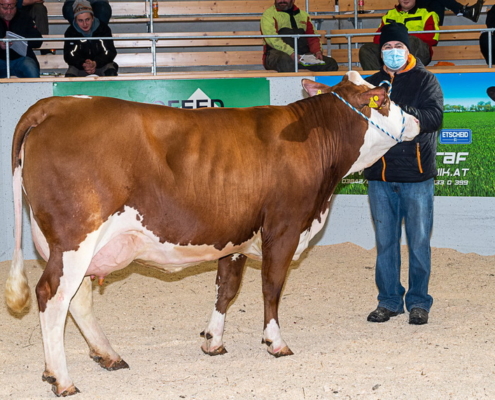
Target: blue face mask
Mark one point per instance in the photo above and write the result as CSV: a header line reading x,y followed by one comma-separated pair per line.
x,y
394,58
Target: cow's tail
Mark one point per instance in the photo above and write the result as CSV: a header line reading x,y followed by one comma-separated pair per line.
x,y
17,292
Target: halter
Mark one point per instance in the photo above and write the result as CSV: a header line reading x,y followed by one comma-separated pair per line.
x,y
399,140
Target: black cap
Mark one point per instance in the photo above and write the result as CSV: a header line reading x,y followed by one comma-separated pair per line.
x,y
394,32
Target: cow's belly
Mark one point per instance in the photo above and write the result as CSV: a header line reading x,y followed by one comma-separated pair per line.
x,y
123,238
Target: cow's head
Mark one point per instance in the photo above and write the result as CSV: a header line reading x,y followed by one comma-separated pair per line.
x,y
388,123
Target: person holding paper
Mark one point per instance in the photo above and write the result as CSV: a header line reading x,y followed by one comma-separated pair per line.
x,y
279,54
25,63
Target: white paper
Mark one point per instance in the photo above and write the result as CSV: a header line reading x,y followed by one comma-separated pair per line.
x,y
310,59
20,46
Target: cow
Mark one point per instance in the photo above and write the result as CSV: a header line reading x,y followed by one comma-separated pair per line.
x,y
110,181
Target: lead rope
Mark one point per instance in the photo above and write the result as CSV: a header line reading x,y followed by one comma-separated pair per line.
x,y
399,140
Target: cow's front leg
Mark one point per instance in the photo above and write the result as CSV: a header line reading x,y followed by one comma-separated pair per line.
x,y
100,350
54,291
276,261
229,276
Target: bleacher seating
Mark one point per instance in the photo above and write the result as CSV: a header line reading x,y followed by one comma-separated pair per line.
x,y
453,47
231,54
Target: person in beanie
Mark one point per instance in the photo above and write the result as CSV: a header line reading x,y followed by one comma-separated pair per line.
x,y
89,57
401,183
101,9
279,53
415,19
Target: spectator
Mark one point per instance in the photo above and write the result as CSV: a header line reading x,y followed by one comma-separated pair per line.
x,y
490,23
401,183
38,12
89,57
286,18
20,23
415,19
461,10
101,9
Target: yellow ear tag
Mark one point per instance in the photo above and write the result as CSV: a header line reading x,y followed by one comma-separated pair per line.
x,y
372,103
318,92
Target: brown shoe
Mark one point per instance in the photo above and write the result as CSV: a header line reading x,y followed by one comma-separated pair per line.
x,y
418,316
381,314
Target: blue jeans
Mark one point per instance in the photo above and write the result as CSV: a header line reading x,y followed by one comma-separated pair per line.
x,y
391,203
23,67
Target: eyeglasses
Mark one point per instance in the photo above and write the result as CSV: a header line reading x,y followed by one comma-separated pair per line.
x,y
6,7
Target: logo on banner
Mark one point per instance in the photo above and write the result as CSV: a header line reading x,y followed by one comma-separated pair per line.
x,y
198,99
456,136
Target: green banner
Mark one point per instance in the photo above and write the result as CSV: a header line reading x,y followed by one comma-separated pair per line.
x,y
466,140
176,93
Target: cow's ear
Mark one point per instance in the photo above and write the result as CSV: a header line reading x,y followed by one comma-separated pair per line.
x,y
314,88
373,98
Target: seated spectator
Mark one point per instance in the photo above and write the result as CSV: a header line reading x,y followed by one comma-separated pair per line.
x,y
285,18
415,19
20,23
89,57
490,23
101,9
461,10
38,12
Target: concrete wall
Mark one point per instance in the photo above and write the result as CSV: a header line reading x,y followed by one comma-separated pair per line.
x,y
465,224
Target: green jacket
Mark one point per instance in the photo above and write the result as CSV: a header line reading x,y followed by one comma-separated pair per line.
x,y
273,20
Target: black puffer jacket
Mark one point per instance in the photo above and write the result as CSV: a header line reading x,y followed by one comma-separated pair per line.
x,y
23,25
76,52
418,93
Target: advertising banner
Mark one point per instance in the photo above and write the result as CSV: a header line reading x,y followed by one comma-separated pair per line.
x,y
177,93
466,140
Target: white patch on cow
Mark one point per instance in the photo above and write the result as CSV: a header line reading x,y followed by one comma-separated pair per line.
x,y
123,238
82,96
214,331
377,143
235,257
39,239
309,234
272,334
357,79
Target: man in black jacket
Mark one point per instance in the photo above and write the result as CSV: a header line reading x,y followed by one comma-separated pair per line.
x,y
401,183
89,57
16,21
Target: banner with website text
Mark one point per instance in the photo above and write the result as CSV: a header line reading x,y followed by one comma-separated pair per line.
x,y
466,140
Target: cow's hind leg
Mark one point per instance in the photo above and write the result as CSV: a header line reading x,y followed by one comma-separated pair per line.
x,y
58,284
229,277
100,350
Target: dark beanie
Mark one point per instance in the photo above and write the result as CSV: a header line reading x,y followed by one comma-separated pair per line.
x,y
394,32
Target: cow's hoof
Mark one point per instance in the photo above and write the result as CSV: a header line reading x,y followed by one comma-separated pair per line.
x,y
214,352
71,390
67,392
281,353
284,351
110,365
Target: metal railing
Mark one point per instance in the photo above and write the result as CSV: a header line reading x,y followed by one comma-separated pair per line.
x,y
349,37
153,38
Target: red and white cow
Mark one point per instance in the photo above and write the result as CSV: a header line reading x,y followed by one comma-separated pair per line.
x,y
111,181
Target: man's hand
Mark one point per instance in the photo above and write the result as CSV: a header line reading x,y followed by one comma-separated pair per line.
x,y
3,45
90,67
293,56
318,55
